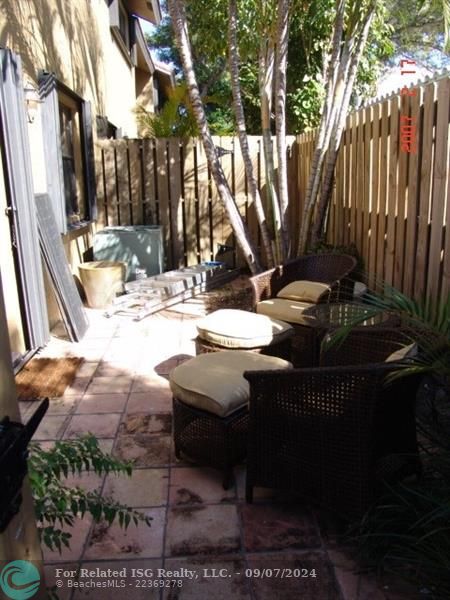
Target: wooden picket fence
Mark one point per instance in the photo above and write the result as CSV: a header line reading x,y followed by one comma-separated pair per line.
x,y
167,182
392,188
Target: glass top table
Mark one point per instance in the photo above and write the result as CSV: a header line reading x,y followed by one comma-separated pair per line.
x,y
333,315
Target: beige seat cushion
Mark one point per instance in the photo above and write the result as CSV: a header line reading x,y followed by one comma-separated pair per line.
x,y
231,328
409,351
304,291
214,382
286,310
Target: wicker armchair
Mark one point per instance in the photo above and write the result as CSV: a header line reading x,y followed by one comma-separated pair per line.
x,y
329,433
364,345
332,269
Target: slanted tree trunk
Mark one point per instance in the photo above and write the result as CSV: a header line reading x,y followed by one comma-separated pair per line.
x,y
266,68
324,127
336,135
233,59
179,23
280,118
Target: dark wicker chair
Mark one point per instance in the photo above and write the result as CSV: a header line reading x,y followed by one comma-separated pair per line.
x,y
332,269
332,433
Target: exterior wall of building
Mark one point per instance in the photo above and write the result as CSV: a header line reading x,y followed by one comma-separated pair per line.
x,y
74,41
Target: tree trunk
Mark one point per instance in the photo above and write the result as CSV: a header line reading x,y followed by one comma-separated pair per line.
x,y
323,134
336,135
179,23
266,67
280,117
233,56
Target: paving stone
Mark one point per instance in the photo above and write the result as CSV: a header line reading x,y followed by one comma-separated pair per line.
x,y
51,427
102,426
102,403
113,369
79,533
275,527
159,401
109,385
144,450
145,487
141,541
88,481
140,423
64,405
199,485
77,387
147,383
202,530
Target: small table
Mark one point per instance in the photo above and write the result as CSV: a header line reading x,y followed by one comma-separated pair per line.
x,y
324,318
334,315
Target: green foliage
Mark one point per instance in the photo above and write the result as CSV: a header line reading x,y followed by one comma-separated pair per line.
x,y
176,119
57,505
420,26
425,322
407,532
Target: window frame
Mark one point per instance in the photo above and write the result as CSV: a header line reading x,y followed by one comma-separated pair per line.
x,y
51,89
126,44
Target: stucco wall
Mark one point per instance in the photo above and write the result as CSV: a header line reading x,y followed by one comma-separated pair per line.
x,y
74,41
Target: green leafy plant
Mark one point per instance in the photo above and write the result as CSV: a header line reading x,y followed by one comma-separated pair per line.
x,y
407,531
58,505
175,119
425,322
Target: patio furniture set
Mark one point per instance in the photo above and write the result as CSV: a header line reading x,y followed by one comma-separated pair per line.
x,y
323,424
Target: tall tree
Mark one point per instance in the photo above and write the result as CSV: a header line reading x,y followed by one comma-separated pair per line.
x,y
233,57
280,117
348,40
266,28
179,23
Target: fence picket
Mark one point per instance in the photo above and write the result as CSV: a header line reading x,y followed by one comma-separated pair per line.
x,y
440,175
375,198
412,202
425,192
392,206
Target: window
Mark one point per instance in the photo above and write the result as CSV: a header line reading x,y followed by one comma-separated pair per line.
x,y
72,162
124,25
69,151
120,22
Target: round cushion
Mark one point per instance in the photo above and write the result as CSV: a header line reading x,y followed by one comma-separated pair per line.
x,y
232,328
214,382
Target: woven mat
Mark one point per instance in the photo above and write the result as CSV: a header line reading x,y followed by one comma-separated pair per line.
x,y
46,377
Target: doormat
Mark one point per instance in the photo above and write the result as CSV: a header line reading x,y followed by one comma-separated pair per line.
x,y
46,377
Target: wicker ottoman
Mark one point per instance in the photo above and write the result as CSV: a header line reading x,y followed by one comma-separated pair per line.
x,y
232,329
210,398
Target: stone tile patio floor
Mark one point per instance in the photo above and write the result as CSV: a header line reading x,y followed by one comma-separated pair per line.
x,y
121,394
